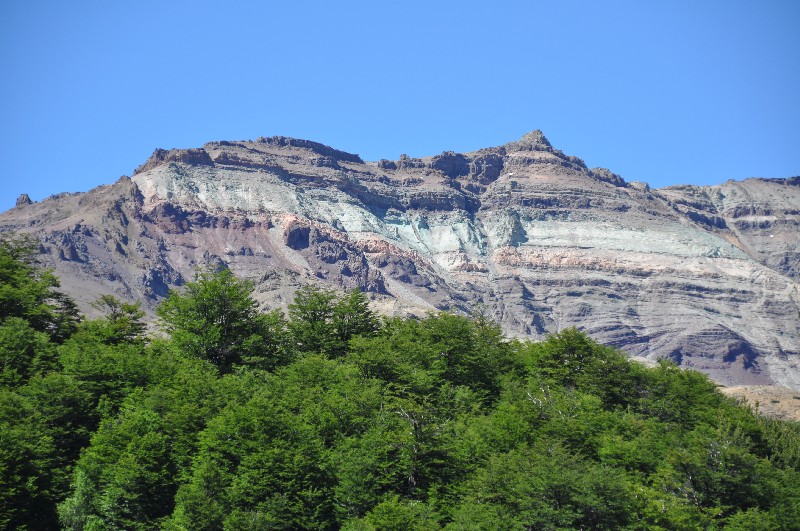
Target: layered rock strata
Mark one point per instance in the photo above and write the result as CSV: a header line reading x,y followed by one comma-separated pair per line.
x,y
706,276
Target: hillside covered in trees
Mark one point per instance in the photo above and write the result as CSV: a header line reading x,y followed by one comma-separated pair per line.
x,y
331,418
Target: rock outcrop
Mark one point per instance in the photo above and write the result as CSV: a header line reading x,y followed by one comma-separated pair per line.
x,y
23,199
707,276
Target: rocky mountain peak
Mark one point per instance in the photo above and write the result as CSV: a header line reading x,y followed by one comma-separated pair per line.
x,y
316,147
533,141
706,276
451,164
195,156
252,154
23,199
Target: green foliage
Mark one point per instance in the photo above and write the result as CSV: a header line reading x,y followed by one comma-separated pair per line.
x,y
216,319
678,396
255,458
714,471
62,408
123,321
311,319
128,476
28,291
334,420
125,479
397,513
322,323
419,356
22,471
40,435
544,486
474,352
352,317
397,357
22,349
107,373
570,359
781,441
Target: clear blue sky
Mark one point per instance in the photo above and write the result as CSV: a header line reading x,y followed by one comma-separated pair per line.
x,y
665,92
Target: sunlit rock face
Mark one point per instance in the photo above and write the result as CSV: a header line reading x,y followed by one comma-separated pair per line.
x,y
706,276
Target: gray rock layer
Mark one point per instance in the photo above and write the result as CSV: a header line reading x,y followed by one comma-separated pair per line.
x,y
707,276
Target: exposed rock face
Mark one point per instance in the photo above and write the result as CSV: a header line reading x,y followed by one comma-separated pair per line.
x,y
707,276
23,199
193,157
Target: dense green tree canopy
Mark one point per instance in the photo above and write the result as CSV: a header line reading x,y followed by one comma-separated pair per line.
x,y
28,292
123,322
322,322
333,419
42,412
216,319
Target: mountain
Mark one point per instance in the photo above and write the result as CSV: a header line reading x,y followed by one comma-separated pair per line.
x,y
707,276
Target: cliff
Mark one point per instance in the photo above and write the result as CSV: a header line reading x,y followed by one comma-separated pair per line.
x,y
707,276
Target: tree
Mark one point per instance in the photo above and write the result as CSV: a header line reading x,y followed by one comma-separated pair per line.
x,y
321,322
474,351
215,318
311,319
125,479
442,348
123,321
63,413
28,292
547,487
20,348
257,463
571,359
396,513
21,471
352,316
108,373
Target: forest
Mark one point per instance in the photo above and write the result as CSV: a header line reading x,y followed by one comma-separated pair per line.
x,y
331,417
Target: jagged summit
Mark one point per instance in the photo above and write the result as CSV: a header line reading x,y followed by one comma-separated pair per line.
x,y
23,199
194,156
316,147
450,162
246,152
706,276
533,141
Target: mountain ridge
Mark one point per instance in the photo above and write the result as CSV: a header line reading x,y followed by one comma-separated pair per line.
x,y
707,276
